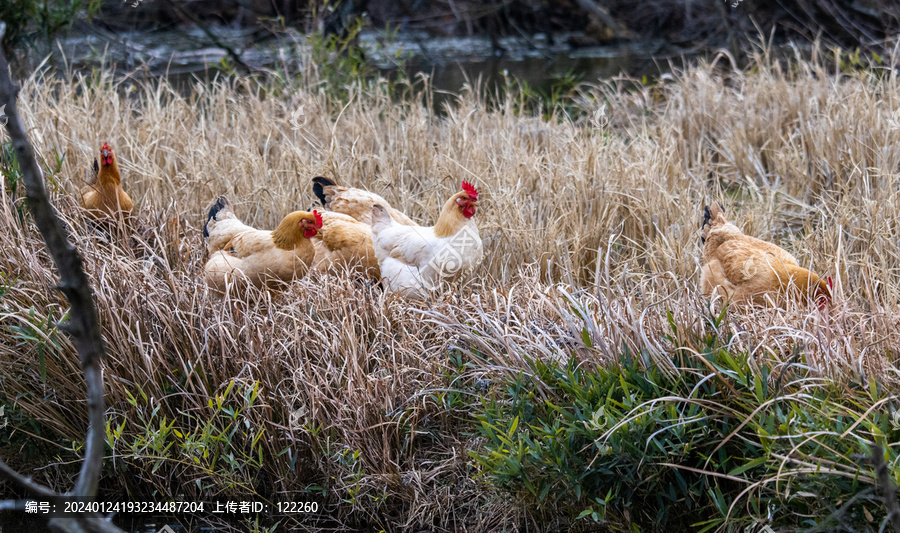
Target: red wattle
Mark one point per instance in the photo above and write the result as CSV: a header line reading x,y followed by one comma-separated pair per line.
x,y
309,233
468,211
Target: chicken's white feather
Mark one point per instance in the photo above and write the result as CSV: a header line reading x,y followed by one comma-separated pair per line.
x,y
414,260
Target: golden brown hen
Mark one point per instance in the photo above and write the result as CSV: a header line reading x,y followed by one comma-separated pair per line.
x,y
237,250
104,197
345,244
353,202
745,269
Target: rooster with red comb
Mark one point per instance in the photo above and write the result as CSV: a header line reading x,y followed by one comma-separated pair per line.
x,y
415,260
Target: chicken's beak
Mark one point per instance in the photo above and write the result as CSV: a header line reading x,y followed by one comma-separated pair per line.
x,y
104,153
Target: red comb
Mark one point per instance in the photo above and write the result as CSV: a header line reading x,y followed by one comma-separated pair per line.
x,y
105,146
470,189
318,218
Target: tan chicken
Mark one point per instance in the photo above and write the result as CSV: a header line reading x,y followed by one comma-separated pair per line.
x,y
261,257
356,203
103,197
744,269
345,244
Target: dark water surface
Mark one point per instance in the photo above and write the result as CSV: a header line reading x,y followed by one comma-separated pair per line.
x,y
451,62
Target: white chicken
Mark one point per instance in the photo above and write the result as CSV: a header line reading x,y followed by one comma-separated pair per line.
x,y
414,260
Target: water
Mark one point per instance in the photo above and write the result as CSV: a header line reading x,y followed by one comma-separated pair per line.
x,y
450,61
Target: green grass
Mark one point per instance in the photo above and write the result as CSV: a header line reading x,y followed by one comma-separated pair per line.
x,y
722,441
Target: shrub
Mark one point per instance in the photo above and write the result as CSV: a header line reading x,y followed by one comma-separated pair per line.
x,y
29,22
725,437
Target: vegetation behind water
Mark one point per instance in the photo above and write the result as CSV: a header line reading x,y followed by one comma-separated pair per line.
x,y
33,26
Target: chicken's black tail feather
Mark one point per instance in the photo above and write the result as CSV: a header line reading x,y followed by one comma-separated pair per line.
x,y
220,204
706,216
90,177
319,184
711,211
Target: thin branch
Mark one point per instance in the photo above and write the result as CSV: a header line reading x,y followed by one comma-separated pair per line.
x,y
26,484
83,324
235,56
887,488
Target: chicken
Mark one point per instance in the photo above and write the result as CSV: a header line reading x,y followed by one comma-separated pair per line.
x,y
356,203
745,269
262,257
414,259
345,243
103,197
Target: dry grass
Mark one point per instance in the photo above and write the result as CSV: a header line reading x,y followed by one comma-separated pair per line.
x,y
584,228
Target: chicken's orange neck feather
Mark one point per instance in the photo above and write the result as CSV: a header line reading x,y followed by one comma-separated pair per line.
x,y
451,219
109,174
290,232
804,285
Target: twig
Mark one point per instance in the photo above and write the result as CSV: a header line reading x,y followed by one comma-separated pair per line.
x,y
26,484
83,324
887,488
235,56
600,15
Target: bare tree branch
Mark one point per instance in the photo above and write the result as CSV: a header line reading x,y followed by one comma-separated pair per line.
x,y
235,56
83,324
888,490
26,484
600,15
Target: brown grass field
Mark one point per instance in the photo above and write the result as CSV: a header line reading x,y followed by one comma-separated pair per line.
x,y
591,237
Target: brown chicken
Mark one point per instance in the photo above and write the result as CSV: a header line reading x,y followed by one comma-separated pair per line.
x,y
356,203
345,244
744,269
103,197
262,257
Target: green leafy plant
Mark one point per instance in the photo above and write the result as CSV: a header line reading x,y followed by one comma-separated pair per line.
x,y
721,434
222,442
12,177
29,22
340,61
41,334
